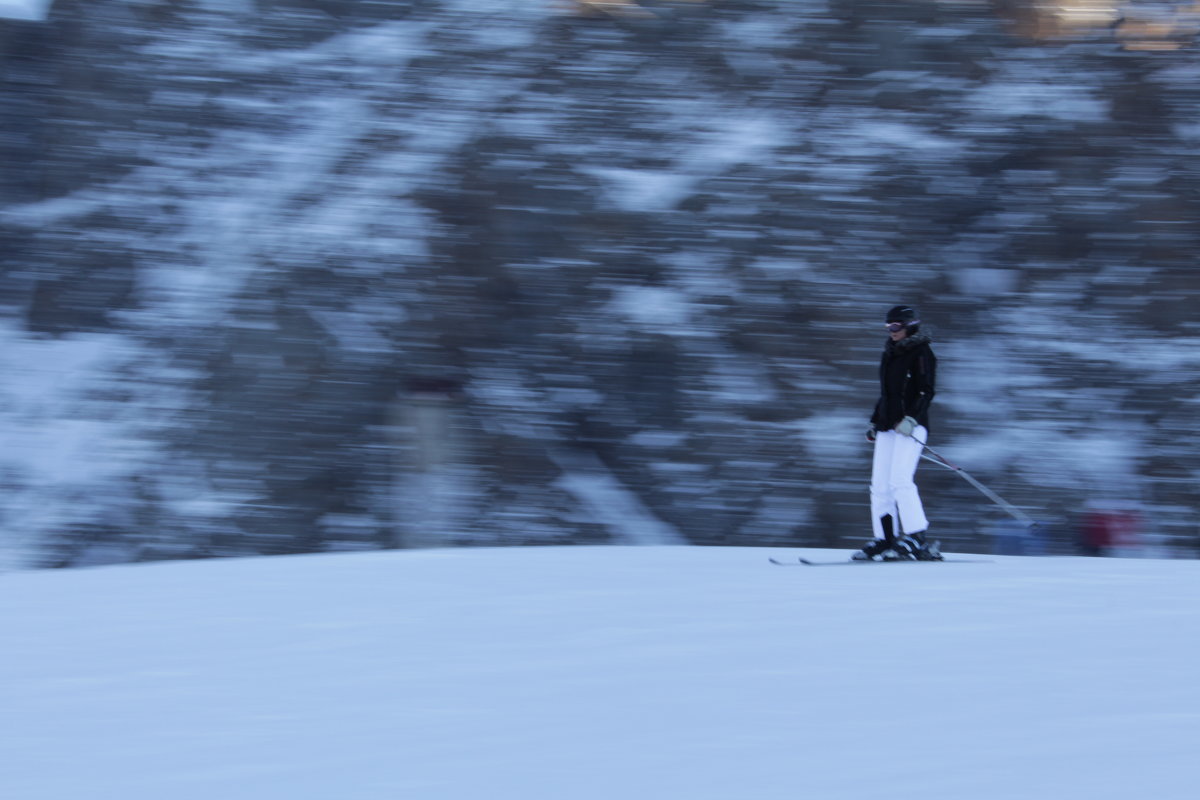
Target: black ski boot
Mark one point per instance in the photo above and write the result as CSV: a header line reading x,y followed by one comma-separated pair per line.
x,y
876,550
888,548
930,551
916,547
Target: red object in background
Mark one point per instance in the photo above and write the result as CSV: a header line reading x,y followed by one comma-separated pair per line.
x,y
1106,529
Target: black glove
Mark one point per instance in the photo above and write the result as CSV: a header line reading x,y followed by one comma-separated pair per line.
x,y
871,434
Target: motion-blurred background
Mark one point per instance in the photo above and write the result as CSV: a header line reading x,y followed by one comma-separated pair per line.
x,y
302,275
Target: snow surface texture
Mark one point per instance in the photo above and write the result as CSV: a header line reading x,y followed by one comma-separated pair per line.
x,y
593,673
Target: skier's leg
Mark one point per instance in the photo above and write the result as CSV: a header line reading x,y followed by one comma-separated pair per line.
x,y
906,456
883,504
883,498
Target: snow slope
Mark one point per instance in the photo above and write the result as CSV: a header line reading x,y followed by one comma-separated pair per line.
x,y
589,672
28,10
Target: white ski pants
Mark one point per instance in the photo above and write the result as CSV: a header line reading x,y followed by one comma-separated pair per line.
x,y
893,490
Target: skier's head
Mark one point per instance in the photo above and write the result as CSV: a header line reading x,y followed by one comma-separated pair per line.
x,y
902,321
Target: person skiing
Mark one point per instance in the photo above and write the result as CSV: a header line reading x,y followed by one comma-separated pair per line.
x,y
899,430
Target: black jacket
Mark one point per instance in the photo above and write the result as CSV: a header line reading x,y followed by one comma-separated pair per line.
x,y
907,374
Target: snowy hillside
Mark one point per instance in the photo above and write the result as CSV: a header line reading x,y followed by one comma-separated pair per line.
x,y
24,9
594,673
320,275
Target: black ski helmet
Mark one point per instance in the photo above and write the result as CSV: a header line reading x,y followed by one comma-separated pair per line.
x,y
905,314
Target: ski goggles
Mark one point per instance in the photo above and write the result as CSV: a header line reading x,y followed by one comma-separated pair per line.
x,y
899,326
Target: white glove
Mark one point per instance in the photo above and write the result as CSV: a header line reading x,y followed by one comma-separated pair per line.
x,y
906,426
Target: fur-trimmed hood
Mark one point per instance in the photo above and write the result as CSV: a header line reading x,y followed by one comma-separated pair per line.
x,y
908,342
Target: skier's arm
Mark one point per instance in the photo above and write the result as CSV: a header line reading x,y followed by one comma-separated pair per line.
x,y
924,376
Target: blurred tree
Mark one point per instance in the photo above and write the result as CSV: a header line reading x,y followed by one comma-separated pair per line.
x,y
663,247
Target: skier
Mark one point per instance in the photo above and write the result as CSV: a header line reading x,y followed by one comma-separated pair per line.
x,y
899,429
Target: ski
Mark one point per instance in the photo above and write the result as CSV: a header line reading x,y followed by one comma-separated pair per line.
x,y
804,562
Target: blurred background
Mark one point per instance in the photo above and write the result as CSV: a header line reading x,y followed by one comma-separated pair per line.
x,y
286,276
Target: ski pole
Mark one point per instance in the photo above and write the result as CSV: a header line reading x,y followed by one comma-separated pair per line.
x,y
937,458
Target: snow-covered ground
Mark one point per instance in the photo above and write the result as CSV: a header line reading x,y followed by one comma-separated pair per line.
x,y
588,672
29,10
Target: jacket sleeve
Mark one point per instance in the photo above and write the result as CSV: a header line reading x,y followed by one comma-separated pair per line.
x,y
924,379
